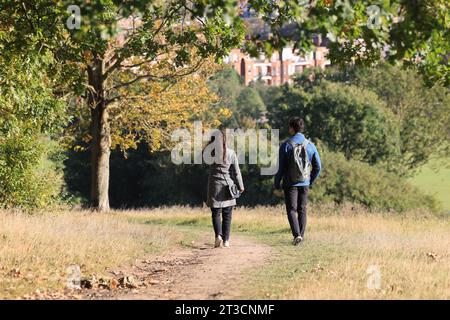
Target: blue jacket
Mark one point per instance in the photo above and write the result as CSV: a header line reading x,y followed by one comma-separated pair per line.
x,y
283,172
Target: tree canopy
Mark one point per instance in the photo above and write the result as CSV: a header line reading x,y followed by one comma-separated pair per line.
x,y
115,55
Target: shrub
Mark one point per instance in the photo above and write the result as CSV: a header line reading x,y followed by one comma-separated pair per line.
x,y
29,111
354,181
29,179
147,180
347,118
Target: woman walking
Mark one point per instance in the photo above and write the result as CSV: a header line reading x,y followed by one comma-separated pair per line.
x,y
224,186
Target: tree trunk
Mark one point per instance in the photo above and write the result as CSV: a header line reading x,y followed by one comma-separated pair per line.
x,y
101,138
280,53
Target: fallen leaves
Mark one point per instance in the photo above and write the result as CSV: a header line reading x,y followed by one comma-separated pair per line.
x,y
15,272
53,295
143,273
95,282
434,256
127,282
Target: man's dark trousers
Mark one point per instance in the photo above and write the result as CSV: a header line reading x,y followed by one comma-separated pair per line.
x,y
295,198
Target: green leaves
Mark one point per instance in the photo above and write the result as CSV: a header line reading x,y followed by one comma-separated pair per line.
x,y
347,118
383,114
422,114
27,99
360,32
28,111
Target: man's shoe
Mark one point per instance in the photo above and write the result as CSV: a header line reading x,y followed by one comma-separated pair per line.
x,y
226,244
297,240
218,241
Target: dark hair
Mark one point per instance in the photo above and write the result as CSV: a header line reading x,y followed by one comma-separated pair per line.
x,y
222,136
297,124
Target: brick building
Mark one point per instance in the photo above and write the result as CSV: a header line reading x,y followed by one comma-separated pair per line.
x,y
267,69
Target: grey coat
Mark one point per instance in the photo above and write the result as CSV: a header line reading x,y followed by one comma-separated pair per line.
x,y
218,193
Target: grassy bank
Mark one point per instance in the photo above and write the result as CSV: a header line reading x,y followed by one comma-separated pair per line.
x,y
343,247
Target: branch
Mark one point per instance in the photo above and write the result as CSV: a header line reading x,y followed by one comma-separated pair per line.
x,y
155,77
24,8
119,60
140,63
113,99
141,77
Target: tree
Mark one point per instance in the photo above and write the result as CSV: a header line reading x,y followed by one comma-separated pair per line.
x,y
227,84
148,113
249,103
122,43
240,106
267,93
360,32
421,113
99,57
346,118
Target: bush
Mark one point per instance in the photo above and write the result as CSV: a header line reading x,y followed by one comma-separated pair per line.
x,y
347,118
29,111
353,181
29,180
147,180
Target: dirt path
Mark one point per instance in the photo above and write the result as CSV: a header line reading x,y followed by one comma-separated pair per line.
x,y
197,272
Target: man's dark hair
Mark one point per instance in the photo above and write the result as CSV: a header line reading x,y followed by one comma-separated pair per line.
x,y
297,124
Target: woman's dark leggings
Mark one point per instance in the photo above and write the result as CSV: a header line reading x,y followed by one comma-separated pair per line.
x,y
223,227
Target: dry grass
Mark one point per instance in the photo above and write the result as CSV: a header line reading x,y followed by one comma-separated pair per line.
x,y
412,252
35,250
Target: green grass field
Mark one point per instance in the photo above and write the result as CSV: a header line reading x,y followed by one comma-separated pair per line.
x,y
435,182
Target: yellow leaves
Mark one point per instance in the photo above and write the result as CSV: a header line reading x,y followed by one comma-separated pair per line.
x,y
155,139
87,55
149,111
216,123
225,112
78,148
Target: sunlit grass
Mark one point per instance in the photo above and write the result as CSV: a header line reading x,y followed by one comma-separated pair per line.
x,y
434,179
35,250
412,252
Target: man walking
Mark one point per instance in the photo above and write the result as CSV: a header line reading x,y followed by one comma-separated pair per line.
x,y
298,166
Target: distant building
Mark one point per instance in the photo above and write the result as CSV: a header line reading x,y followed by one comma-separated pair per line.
x,y
267,69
